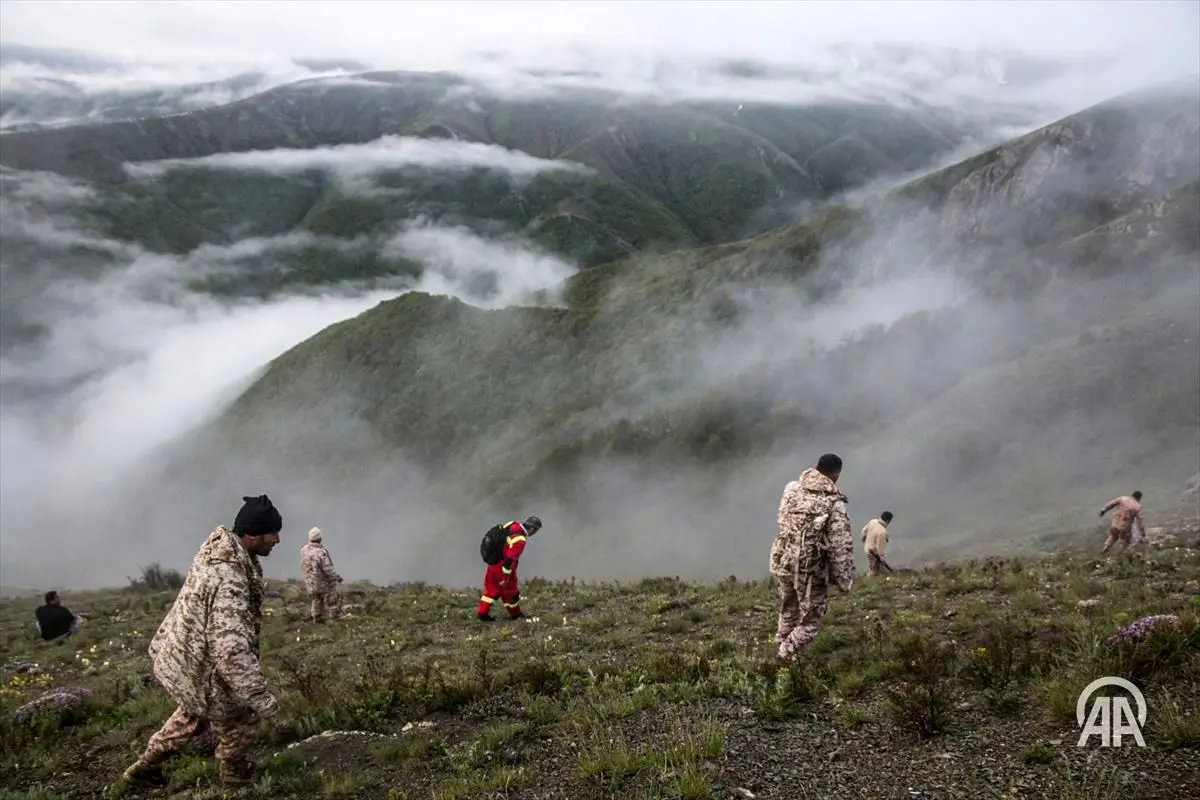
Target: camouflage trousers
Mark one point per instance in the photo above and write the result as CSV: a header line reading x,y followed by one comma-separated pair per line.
x,y
323,604
873,564
1123,535
235,737
800,613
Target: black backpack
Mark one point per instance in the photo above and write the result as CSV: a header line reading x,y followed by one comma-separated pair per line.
x,y
492,546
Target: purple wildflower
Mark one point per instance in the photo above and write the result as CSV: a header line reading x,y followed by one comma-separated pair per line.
x,y
1139,629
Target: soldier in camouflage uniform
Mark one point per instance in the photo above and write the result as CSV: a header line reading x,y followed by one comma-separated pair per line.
x,y
205,653
320,578
1129,513
814,549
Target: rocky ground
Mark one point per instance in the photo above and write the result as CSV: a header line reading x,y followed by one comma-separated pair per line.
x,y
950,682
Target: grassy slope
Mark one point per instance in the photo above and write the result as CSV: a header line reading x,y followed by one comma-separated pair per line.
x,y
953,681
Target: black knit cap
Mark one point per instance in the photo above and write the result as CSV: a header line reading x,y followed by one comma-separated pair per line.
x,y
829,464
258,516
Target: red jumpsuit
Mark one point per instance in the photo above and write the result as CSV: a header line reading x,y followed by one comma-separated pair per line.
x,y
500,580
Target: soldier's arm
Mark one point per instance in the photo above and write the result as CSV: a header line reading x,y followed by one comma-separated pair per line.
x,y
230,647
841,540
1111,505
327,567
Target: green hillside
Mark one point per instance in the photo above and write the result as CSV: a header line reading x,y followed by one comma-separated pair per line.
x,y
700,363
658,175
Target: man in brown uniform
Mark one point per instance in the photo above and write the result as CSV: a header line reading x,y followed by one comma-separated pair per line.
x,y
813,549
875,538
320,578
1129,512
205,653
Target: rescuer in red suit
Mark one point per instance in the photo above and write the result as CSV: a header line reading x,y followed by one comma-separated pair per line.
x,y
505,542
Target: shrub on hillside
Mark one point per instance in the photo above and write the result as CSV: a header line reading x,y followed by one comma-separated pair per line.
x,y
156,578
920,700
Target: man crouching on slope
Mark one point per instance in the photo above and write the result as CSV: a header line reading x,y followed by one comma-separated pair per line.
x,y
205,653
813,549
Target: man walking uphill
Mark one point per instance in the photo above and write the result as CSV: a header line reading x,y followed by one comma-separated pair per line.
x,y
320,578
875,539
813,549
501,549
205,653
1129,513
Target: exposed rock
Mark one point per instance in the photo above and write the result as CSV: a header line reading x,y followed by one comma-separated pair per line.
x,y
59,701
325,736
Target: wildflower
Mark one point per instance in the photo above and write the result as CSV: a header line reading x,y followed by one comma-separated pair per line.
x,y
1140,629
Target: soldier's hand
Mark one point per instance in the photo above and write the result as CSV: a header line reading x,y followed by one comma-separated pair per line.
x,y
265,705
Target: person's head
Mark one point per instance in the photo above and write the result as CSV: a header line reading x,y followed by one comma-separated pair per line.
x,y
532,525
258,523
886,516
314,534
1137,495
830,466
51,598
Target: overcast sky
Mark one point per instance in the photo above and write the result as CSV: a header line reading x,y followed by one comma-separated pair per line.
x,y
432,34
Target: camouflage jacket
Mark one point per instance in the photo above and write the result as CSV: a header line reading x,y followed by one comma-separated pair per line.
x,y
205,653
875,537
317,566
815,538
1129,511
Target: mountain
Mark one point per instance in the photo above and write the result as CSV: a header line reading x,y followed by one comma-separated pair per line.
x,y
52,87
983,344
991,345
324,181
671,174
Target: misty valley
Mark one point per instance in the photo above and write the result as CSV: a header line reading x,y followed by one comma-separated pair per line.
x,y
793,404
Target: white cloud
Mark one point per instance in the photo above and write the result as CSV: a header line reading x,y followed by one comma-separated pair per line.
x,y
355,163
436,33
506,271
621,45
